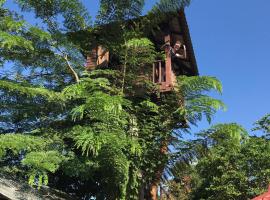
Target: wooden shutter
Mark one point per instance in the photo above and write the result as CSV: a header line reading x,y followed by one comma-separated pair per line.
x,y
98,57
91,61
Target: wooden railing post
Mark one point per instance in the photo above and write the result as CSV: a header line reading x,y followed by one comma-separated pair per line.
x,y
154,72
160,72
168,62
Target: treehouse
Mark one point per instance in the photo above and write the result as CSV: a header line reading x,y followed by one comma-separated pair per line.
x,y
170,36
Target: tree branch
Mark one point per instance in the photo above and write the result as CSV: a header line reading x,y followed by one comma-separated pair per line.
x,y
73,72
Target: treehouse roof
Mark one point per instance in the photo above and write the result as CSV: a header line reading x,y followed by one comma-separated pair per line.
x,y
13,189
175,23
156,27
265,196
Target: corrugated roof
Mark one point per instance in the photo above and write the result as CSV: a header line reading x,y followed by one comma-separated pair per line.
x,y
14,189
264,196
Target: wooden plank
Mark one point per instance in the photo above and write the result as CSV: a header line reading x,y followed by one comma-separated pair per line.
x,y
154,73
168,62
160,72
91,61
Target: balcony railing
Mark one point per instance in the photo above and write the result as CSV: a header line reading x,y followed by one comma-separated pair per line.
x,y
162,76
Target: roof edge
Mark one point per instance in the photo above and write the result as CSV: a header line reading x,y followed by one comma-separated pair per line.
x,y
184,24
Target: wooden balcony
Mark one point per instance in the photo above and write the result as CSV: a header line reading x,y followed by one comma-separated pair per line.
x,y
162,76
162,73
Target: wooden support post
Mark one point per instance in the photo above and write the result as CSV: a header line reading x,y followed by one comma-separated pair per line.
x,y
168,62
160,72
154,73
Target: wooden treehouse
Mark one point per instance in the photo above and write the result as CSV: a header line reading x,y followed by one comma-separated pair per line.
x,y
172,37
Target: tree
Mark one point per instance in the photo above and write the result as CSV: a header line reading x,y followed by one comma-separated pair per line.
x,y
263,124
70,129
224,163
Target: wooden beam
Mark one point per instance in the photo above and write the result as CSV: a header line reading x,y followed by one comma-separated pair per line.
x,y
154,73
160,72
168,62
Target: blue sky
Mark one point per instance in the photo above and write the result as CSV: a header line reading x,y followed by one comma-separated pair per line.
x,y
231,40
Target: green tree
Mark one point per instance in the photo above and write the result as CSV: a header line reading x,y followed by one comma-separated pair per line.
x,y
263,124
101,134
223,163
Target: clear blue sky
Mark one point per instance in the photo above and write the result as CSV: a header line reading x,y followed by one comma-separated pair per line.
x,y
231,39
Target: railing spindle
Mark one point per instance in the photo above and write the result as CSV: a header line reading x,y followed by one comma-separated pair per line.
x,y
154,72
160,73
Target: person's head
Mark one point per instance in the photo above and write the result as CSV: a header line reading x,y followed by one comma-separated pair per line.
x,y
177,45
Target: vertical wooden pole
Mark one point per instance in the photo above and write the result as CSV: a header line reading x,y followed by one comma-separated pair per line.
x,y
160,72
164,146
168,62
154,73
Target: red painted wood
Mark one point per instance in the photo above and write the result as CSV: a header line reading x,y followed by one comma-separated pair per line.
x,y
91,61
160,72
168,62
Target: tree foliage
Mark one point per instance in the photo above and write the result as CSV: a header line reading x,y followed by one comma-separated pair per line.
x,y
116,10
223,163
107,133
263,124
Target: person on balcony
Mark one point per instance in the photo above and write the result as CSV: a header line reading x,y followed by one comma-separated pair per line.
x,y
178,50
178,54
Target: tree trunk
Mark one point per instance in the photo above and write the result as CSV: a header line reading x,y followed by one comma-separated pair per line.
x,y
158,175
141,193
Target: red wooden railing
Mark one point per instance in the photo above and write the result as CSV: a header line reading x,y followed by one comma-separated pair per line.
x,y
159,73
162,75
